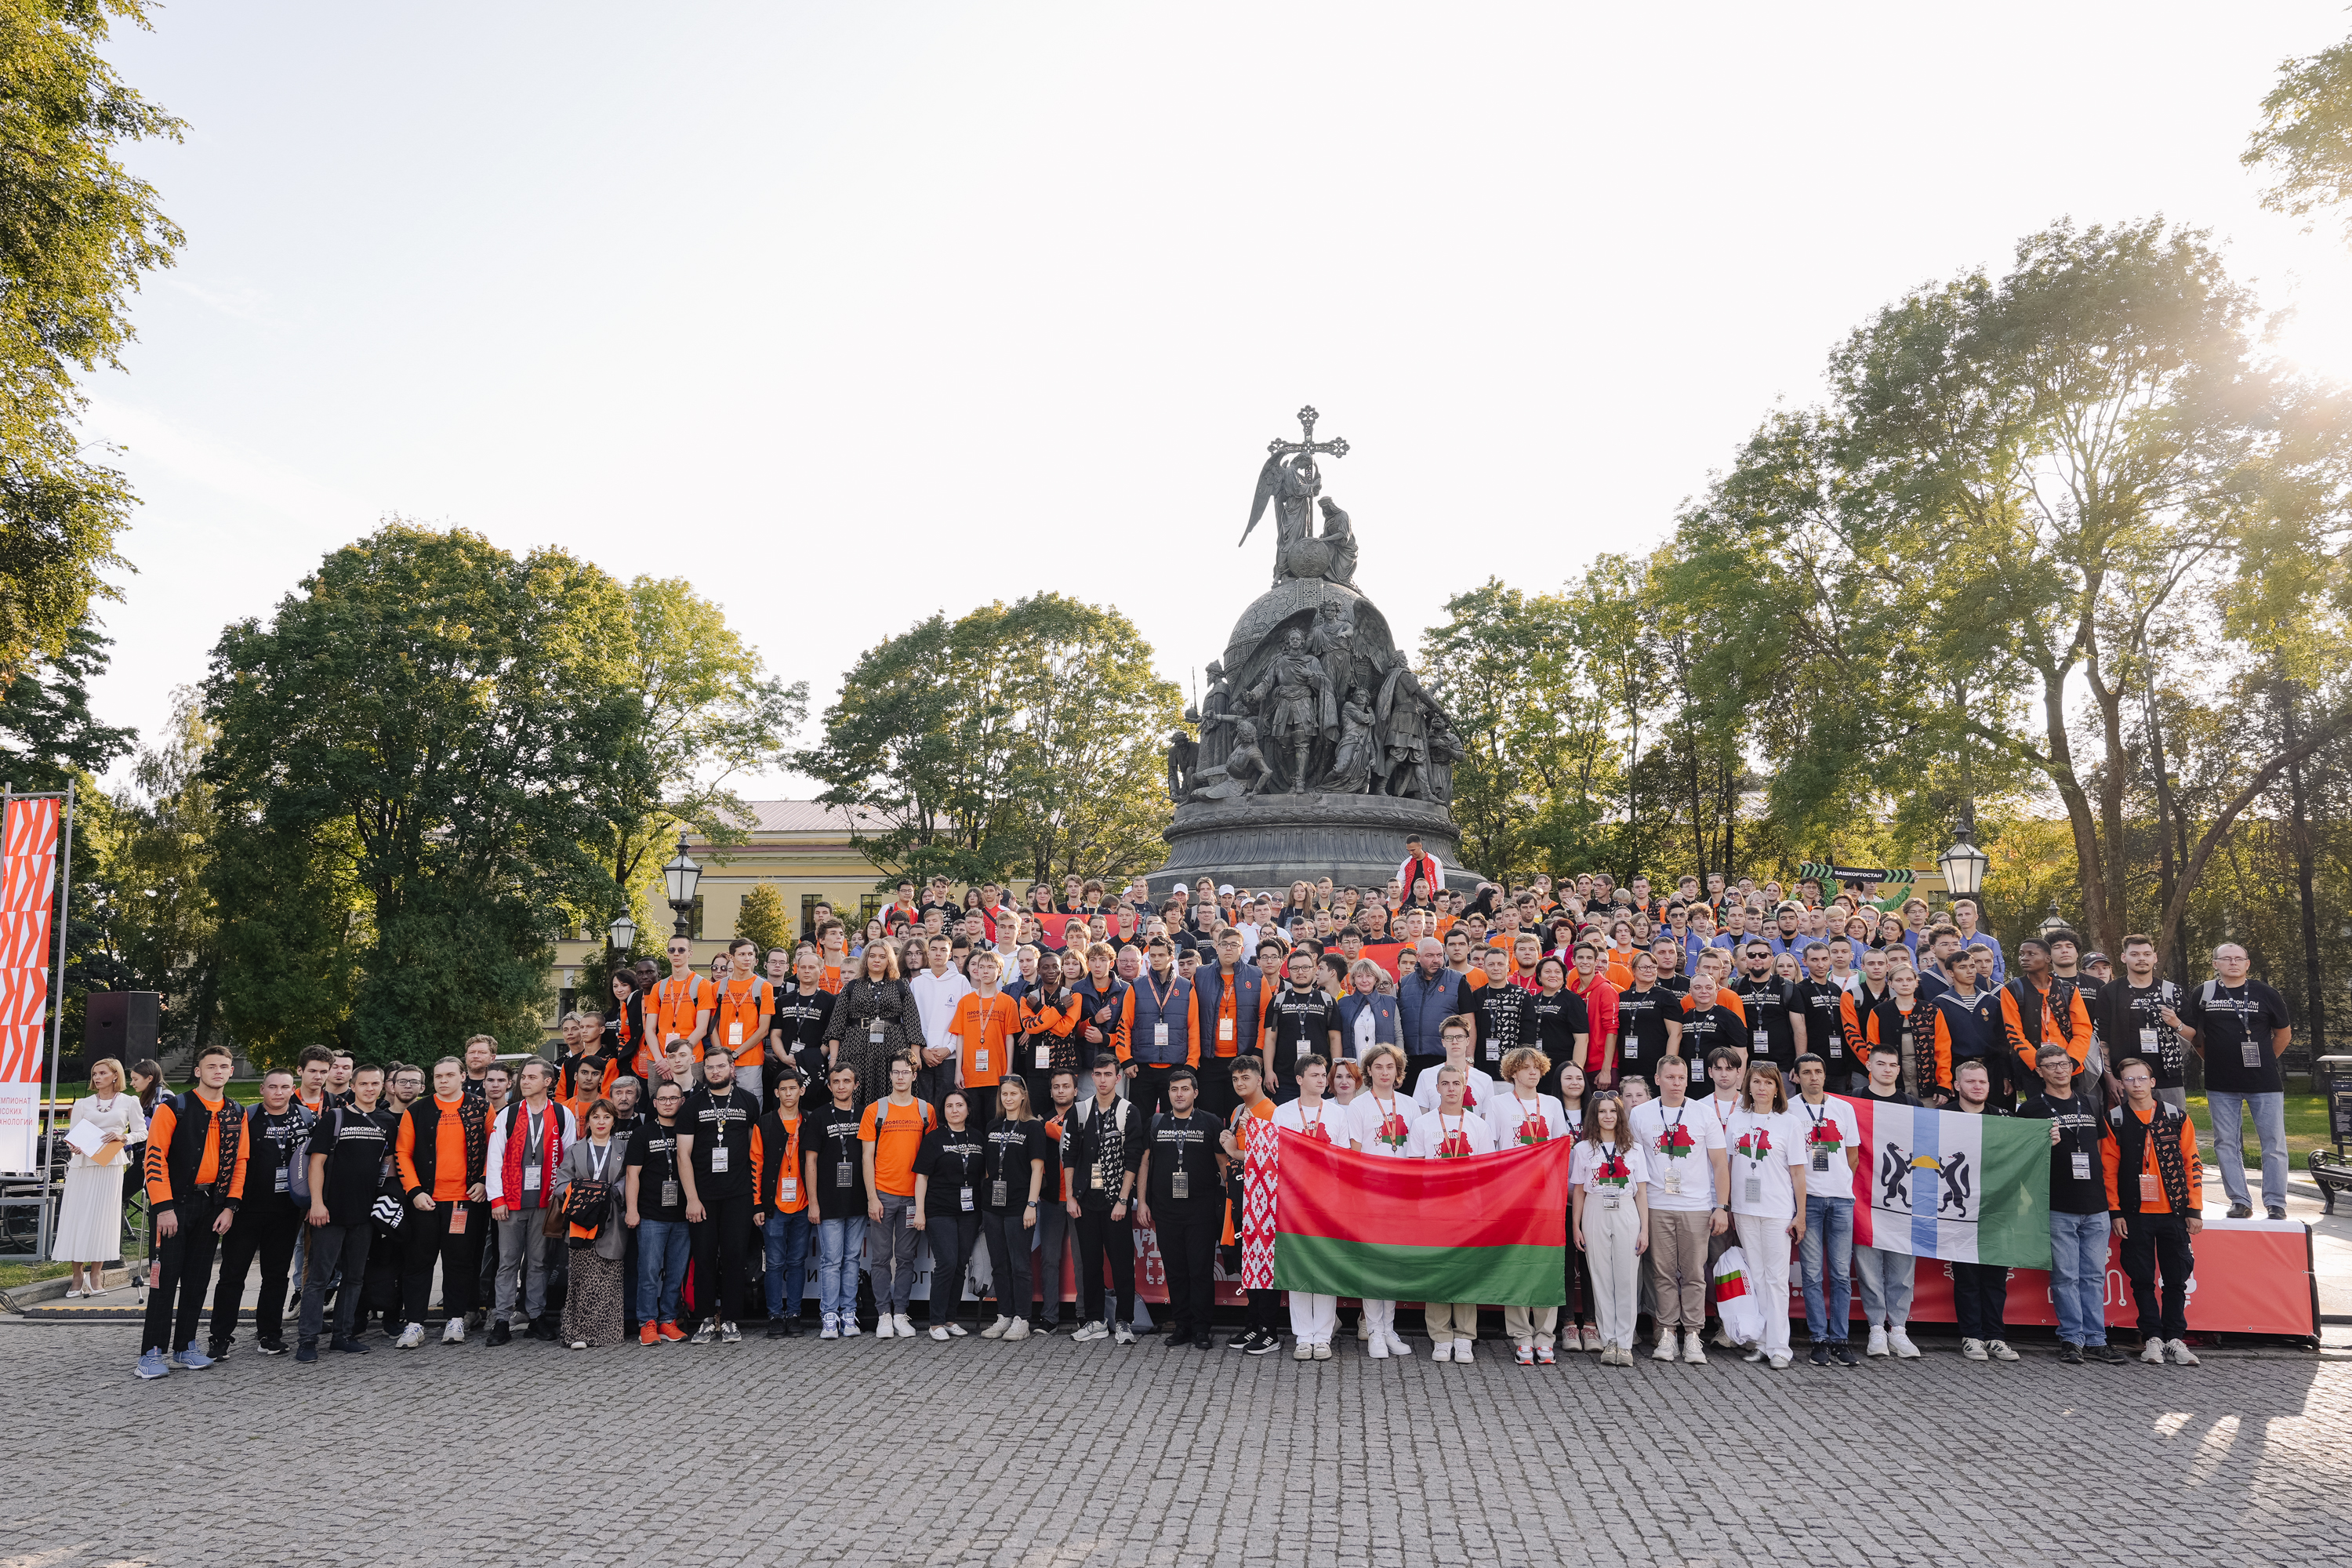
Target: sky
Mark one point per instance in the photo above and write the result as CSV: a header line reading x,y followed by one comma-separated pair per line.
x,y
850,313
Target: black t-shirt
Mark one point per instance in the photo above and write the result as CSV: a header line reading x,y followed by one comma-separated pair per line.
x,y
832,1135
1679,984
1768,1003
1705,1028
951,1161
1010,1146
356,1144
1302,1022
1559,1018
2079,1132
1187,1143
716,1121
1642,1020
2133,1025
799,1018
1820,1003
274,1142
1897,1097
654,1147
1503,1017
2239,1017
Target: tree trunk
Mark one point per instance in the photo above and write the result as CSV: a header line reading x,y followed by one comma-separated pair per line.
x,y
2167,866
2089,863
2299,839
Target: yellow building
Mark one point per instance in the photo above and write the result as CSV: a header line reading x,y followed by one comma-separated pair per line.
x,y
801,848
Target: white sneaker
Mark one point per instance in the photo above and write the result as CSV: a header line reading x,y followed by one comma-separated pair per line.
x,y
2181,1355
411,1337
1998,1350
708,1334
1124,1335
1444,1350
1665,1351
849,1328
906,1325
1018,1328
1323,1349
2152,1352
1694,1350
1302,1351
957,1331
832,1329
1377,1347
995,1331
1462,1352
1974,1350
884,1328
1396,1344
939,1333
1901,1344
1088,1333
1877,1340
454,1334
1363,1327
1781,1362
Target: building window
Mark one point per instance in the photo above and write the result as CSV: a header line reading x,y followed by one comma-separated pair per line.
x,y
694,919
808,916
869,910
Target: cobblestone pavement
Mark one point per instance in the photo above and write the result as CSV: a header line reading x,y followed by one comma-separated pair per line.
x,y
1048,1453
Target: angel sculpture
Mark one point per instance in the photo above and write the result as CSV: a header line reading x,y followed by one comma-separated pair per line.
x,y
1290,481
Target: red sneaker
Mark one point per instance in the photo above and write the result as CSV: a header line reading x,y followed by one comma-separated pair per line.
x,y
672,1332
648,1335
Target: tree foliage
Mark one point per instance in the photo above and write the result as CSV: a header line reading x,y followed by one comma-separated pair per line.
x,y
2305,136
75,232
1026,739
764,920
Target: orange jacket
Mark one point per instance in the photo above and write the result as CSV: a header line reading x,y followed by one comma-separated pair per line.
x,y
2073,1031
2111,1157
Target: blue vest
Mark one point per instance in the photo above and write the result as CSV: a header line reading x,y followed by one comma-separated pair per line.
x,y
1423,1005
1177,1014
1249,986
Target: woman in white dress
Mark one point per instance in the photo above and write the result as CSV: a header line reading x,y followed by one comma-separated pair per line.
x,y
90,1221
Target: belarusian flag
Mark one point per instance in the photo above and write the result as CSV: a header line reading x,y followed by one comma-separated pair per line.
x,y
1947,1185
1488,1227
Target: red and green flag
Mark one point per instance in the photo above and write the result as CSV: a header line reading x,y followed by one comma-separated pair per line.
x,y
1491,1228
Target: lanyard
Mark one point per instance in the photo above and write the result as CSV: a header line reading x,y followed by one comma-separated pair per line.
x,y
1816,1120
600,1155
1312,1129
1446,1140
1531,1118
1668,1129
1160,997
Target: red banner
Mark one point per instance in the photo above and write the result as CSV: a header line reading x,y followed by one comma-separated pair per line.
x,y
28,866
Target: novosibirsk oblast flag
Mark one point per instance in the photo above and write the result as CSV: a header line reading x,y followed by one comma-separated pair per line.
x,y
1947,1185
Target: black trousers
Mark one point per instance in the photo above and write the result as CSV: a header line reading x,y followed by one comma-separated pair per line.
x,y
266,1227
1188,1250
183,1262
1217,1095
429,1240
334,1245
1266,1313
954,1238
1980,1298
1104,1239
1149,1093
2154,1242
722,1251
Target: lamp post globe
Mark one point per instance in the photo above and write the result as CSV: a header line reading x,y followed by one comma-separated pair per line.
x,y
682,875
621,935
1964,865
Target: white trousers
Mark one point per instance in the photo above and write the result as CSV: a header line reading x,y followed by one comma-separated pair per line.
x,y
1764,1243
1608,1237
1381,1316
1312,1318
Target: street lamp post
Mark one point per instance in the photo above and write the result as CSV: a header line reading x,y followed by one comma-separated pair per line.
x,y
1964,865
621,935
2056,923
681,875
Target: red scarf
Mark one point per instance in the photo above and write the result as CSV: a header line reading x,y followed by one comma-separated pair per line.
x,y
550,1150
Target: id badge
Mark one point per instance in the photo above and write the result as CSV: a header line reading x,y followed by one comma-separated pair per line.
x,y
1629,1049
1673,1183
1609,1200
979,1060
530,1178
1160,1036
1180,1182
2252,1052
844,1175
2081,1166
1763,1040
457,1219
1755,1189
1226,1029
1822,1160
965,1193
1494,1049
1095,1177
1837,1043
2147,1042
1044,1057
284,1176
735,1031
788,1189
2151,1188
874,1031
719,1158
1000,1193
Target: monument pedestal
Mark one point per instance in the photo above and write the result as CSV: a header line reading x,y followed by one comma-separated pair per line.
x,y
1268,841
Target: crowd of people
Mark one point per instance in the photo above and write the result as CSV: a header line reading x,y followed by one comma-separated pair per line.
x,y
1029,1084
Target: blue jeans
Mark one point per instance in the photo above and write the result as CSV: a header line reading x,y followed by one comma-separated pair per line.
x,y
662,1249
1830,1221
840,1245
2078,1277
2230,1143
788,1242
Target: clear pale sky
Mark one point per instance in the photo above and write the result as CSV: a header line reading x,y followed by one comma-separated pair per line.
x,y
849,313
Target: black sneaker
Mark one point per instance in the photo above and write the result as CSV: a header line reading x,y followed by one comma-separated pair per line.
x,y
271,1347
1842,1353
351,1347
791,1325
1207,1342
775,1328
1820,1356
1265,1343
2276,1211
306,1351
2241,1211
217,1349
501,1332
2113,1355
2070,1353
1242,1341
1039,1326
1180,1338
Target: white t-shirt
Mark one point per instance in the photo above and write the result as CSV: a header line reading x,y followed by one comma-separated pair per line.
x,y
1584,1166
1369,1120
1693,1174
1478,1091
1765,1146
1828,1131
1514,1122
1329,1120
1435,1129
936,996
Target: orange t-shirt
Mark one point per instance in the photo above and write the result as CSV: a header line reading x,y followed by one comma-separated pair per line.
x,y
735,1022
896,1133
983,1027
678,1003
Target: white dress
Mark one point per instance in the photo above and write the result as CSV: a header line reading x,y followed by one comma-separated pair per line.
x,y
89,1220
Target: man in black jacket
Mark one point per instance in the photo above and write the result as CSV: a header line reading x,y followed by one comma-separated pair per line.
x,y
1103,1143
347,1153
267,1222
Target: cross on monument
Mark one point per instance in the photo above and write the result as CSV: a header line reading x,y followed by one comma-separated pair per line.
x,y
1310,445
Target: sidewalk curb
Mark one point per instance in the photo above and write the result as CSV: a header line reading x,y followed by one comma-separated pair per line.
x,y
41,1291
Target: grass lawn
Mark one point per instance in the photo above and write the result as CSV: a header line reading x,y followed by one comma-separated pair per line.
x,y
2306,1129
15,1274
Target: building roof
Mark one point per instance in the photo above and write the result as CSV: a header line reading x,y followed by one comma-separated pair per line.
x,y
812,816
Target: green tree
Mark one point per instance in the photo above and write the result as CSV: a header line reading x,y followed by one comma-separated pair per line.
x,y
1028,737
403,758
77,233
763,920
165,925
2305,136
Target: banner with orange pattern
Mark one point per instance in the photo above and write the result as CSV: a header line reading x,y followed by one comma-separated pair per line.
x,y
28,876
